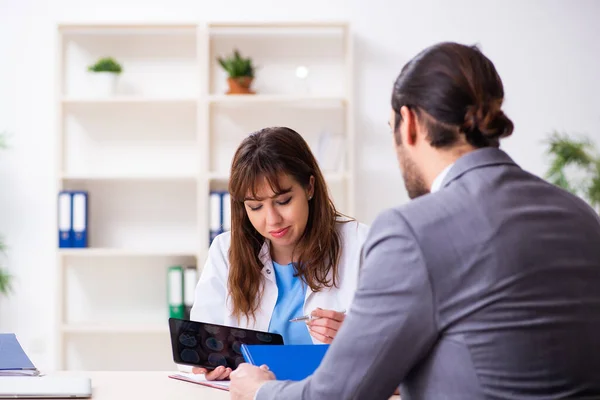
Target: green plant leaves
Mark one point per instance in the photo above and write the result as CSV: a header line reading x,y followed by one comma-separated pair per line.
x,y
5,278
106,64
237,66
566,152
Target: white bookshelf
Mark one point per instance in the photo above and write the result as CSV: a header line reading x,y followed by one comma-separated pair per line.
x,y
150,154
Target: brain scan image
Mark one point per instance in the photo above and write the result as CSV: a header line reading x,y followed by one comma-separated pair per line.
x,y
237,347
187,339
264,337
238,333
214,344
212,329
189,355
217,359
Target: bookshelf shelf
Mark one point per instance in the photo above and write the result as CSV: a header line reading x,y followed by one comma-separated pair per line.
x,y
107,252
150,154
115,329
291,99
124,178
124,100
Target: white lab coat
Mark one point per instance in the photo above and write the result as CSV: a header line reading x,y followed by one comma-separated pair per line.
x,y
212,303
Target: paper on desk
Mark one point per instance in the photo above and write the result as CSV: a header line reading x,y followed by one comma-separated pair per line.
x,y
199,379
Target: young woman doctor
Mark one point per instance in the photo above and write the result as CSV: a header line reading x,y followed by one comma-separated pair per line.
x,y
289,252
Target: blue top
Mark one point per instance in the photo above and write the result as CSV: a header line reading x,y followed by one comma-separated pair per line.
x,y
290,301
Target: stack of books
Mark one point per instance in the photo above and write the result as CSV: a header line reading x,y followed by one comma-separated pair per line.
x,y
13,360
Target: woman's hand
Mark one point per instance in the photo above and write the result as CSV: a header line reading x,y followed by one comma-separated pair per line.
x,y
326,325
218,374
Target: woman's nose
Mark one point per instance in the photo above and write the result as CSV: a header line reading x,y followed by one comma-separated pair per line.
x,y
273,216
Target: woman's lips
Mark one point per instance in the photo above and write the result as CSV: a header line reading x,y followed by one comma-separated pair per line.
x,y
280,233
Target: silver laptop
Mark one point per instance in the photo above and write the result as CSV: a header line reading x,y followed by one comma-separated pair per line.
x,y
45,387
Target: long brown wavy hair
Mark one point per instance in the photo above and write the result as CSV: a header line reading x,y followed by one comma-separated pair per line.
x,y
266,154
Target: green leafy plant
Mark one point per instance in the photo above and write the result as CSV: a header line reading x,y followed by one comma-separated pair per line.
x,y
237,66
579,157
5,277
106,64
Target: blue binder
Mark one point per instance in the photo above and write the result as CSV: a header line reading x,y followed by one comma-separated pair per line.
x,y
289,361
65,219
13,360
79,226
215,218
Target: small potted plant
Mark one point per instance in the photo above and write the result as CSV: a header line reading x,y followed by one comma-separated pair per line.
x,y
240,71
103,76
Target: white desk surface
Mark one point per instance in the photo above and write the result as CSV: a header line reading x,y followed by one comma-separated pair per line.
x,y
126,385
122,385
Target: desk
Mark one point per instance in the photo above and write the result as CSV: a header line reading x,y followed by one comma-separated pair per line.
x,y
126,385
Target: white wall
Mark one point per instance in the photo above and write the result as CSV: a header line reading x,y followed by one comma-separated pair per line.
x,y
546,51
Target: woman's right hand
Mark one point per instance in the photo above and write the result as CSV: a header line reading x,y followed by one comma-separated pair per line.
x,y
218,374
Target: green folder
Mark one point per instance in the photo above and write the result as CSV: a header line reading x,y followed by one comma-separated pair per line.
x,y
175,291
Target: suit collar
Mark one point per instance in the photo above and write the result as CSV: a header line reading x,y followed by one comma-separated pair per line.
x,y
476,159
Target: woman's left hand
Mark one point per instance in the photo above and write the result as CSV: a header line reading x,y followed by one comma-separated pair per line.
x,y
326,324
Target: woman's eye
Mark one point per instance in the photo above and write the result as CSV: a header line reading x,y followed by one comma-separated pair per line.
x,y
255,208
283,203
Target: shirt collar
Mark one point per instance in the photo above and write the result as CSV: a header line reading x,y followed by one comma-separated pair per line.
x,y
437,183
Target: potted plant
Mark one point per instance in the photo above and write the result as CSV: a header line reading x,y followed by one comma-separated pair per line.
x,y
240,71
5,277
575,166
103,76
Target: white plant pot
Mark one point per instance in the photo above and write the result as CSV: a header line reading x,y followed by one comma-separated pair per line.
x,y
102,84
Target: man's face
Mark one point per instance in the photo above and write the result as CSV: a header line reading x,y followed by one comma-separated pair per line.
x,y
407,154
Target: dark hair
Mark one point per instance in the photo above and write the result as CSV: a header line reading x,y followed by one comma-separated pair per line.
x,y
454,89
267,154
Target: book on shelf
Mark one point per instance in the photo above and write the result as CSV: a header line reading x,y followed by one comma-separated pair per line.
x,y
181,288
72,219
220,213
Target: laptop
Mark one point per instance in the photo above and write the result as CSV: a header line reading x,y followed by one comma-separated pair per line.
x,y
45,387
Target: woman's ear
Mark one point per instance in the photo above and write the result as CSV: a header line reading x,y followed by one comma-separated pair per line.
x,y
310,191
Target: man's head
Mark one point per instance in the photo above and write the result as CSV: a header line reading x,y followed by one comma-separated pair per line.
x,y
445,102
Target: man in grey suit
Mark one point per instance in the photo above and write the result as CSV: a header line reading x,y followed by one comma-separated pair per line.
x,y
485,286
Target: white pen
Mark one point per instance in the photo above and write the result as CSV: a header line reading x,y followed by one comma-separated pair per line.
x,y
308,317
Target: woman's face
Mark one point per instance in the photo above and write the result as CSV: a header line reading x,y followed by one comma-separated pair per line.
x,y
280,217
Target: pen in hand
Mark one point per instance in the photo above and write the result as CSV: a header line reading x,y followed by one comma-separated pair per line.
x,y
309,317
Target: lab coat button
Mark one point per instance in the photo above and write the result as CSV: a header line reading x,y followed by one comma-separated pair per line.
x,y
268,271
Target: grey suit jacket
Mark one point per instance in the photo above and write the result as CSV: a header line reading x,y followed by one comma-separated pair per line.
x,y
486,289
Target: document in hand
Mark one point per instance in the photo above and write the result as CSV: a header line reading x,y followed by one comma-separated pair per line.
x,y
200,380
287,362
13,360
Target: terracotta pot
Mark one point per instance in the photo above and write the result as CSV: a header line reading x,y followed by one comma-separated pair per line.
x,y
240,85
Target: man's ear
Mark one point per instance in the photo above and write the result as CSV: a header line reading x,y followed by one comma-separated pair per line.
x,y
408,128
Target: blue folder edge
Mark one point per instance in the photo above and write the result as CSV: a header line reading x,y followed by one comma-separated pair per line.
x,y
12,356
287,362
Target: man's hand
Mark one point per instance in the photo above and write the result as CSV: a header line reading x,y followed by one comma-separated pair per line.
x,y
247,379
218,374
327,324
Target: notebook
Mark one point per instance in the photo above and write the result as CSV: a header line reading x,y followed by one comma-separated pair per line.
x,y
199,379
287,362
13,360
